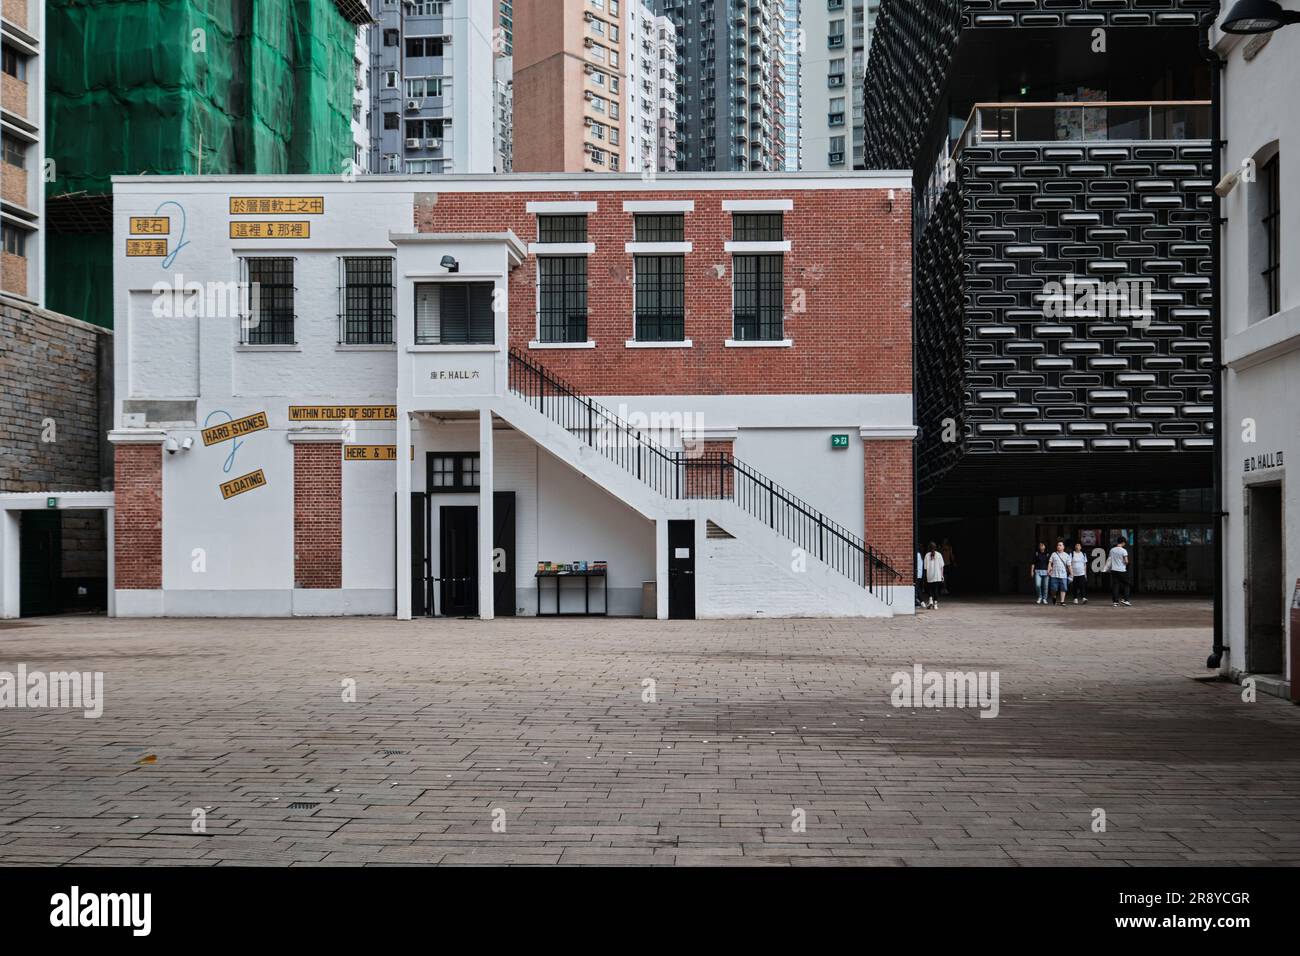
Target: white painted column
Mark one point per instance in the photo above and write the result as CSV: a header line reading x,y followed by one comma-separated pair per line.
x,y
661,569
110,536
404,466
9,557
485,517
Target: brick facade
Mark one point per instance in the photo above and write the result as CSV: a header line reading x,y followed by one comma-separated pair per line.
x,y
137,525
317,515
707,474
847,292
887,508
55,376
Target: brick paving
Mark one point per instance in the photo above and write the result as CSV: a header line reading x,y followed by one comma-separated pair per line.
x,y
545,720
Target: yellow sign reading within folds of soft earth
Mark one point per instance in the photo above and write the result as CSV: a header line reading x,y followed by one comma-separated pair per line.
x,y
259,229
240,426
146,248
277,205
237,486
150,225
338,413
370,453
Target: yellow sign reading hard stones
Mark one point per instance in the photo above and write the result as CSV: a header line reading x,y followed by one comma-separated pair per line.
x,y
338,413
146,248
237,486
277,205
370,453
259,229
150,225
240,426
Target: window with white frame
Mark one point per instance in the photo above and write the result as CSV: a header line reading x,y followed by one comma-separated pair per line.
x,y
454,313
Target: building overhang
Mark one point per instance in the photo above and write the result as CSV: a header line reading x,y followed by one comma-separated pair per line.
x,y
515,247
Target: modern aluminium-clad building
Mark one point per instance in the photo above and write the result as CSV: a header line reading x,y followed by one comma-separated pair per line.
x,y
413,395
1063,277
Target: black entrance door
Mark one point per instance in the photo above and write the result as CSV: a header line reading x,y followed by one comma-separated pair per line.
x,y
40,562
1265,587
681,570
421,592
503,553
458,567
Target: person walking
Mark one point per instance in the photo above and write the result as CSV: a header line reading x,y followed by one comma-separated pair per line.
x,y
1058,574
933,576
1038,572
949,563
1079,574
1119,580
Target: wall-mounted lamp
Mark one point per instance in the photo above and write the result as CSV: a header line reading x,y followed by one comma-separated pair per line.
x,y
450,264
1258,16
187,443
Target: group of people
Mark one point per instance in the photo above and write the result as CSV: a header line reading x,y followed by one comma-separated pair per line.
x,y
1059,574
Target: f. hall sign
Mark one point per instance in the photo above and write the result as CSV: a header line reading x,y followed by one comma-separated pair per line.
x,y
454,374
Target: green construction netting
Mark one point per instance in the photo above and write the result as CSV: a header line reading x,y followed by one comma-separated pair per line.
x,y
186,86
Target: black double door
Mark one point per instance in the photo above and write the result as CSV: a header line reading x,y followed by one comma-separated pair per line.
x,y
40,562
453,591
681,570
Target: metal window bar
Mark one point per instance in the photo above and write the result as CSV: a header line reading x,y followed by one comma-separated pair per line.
x,y
757,227
678,474
1272,223
659,227
270,319
759,298
562,228
365,300
660,298
562,296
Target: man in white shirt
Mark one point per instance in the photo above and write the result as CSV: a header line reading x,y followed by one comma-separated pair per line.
x,y
1058,574
1118,564
1079,574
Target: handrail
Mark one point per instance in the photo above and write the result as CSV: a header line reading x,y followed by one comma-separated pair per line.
x,y
960,142
717,475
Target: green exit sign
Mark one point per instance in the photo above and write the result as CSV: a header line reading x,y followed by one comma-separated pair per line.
x,y
51,502
839,441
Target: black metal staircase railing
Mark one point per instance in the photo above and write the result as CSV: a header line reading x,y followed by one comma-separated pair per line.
x,y
683,474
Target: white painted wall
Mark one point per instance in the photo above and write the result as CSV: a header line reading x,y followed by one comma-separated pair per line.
x,y
1262,383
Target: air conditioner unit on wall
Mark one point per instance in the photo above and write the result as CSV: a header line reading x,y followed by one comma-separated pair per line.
x,y
414,104
413,142
432,143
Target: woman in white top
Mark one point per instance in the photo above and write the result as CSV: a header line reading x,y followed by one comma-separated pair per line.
x,y
933,576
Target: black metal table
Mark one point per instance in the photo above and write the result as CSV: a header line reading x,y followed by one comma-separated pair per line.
x,y
586,577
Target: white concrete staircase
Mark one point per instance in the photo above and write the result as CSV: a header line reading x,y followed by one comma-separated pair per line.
x,y
767,564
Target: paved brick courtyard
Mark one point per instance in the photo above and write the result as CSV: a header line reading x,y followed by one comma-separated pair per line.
x,y
545,721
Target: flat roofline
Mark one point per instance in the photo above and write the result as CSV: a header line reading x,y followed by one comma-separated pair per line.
x,y
552,181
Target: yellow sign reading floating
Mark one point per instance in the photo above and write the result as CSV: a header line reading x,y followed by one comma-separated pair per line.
x,y
338,413
240,426
277,205
150,225
237,486
370,453
270,230
146,247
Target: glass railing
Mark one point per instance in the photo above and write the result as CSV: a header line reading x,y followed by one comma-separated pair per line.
x,y
998,123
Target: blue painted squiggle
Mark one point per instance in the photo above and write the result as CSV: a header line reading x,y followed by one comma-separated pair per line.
x,y
182,241
234,443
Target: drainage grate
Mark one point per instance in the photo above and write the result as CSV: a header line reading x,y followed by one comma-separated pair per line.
x,y
304,805
392,753
713,530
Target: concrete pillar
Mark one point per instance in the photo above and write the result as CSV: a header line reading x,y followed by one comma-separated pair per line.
x,y
10,530
404,466
661,569
485,517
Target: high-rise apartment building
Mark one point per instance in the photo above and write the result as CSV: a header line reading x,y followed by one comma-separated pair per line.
x,y
361,102
571,67
792,122
22,192
503,134
836,35
731,65
432,83
506,23
651,90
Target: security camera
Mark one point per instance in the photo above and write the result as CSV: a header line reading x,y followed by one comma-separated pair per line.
x,y
172,445
187,444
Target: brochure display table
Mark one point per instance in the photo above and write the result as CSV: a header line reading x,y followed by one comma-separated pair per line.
x,y
586,577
